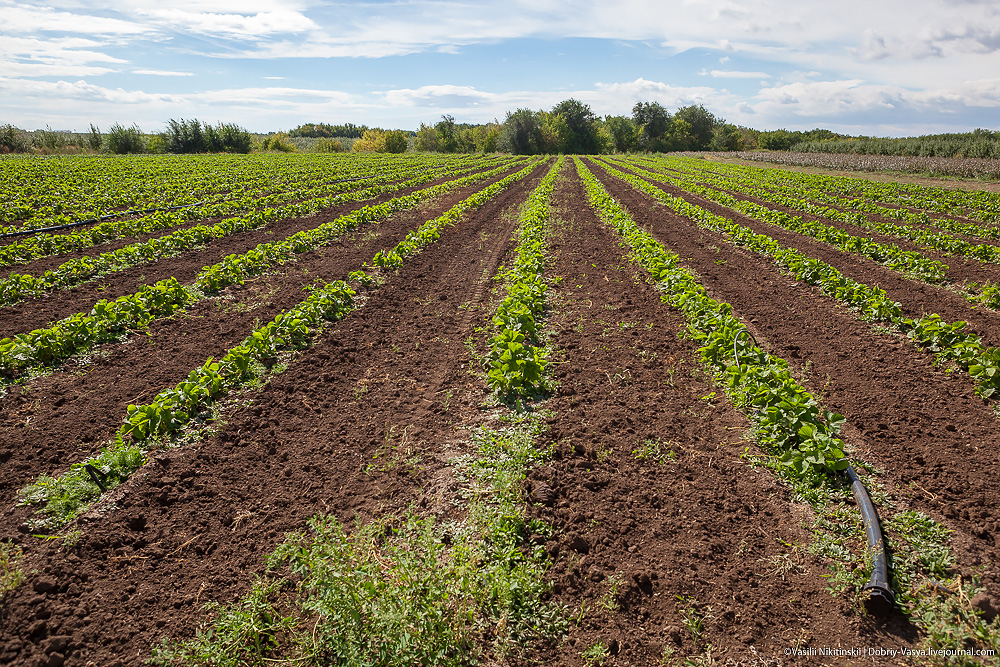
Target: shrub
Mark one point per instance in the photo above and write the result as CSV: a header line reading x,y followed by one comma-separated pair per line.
x,y
395,142
278,142
94,138
122,140
184,136
372,141
231,138
329,146
13,140
49,139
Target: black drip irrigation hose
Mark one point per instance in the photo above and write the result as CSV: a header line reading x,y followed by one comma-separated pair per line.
x,y
878,595
103,218
97,476
879,598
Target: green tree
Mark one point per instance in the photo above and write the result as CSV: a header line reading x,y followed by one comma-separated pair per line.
x,y
702,124
372,141
623,133
485,138
652,122
447,135
395,141
521,133
578,130
427,139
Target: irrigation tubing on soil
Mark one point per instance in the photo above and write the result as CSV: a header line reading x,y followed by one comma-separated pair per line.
x,y
880,598
879,595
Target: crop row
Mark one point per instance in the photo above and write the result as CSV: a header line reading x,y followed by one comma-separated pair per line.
x,y
946,340
480,576
48,244
784,416
59,190
892,256
52,344
75,271
960,167
935,240
987,294
789,420
64,497
882,199
516,361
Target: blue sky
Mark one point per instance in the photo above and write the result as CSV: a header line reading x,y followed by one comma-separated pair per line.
x,y
882,67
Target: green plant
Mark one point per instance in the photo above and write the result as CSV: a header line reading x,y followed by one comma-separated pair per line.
x,y
277,142
94,138
609,600
121,140
650,450
692,616
241,634
596,654
11,574
13,140
329,145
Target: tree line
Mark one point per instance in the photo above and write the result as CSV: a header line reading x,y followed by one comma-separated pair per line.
x,y
572,127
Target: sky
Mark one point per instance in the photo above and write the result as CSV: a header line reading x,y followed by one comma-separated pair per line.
x,y
873,67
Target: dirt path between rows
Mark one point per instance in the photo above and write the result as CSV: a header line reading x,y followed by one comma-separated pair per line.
x,y
935,440
345,430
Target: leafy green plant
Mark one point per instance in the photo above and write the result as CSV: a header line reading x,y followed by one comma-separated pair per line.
x,y
596,654
650,450
872,303
245,633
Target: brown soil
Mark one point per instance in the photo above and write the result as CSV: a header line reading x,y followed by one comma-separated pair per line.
x,y
703,525
922,424
365,422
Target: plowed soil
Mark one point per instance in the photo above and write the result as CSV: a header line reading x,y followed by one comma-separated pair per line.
x,y
365,423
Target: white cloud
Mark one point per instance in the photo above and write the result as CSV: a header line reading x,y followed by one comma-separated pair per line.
x,y
72,56
160,72
736,74
30,19
232,25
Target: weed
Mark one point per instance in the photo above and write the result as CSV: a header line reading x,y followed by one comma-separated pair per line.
x,y
650,450
609,601
11,574
446,403
691,616
241,634
596,654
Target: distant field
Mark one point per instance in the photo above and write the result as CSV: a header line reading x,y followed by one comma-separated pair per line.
x,y
982,169
458,409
